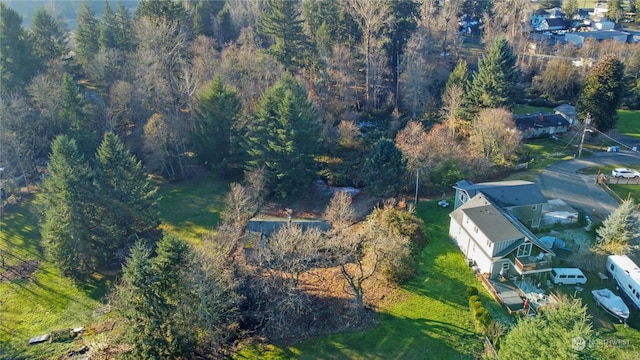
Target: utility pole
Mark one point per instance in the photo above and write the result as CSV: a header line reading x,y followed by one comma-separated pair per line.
x,y
417,177
584,131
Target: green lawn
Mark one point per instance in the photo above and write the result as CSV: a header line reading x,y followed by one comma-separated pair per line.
x,y
434,322
526,109
52,302
191,208
629,123
47,302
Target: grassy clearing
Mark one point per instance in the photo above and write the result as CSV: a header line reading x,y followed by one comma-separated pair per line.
x,y
47,302
192,208
526,109
629,123
433,322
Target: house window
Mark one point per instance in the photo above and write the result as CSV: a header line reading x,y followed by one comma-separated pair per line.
x,y
475,229
524,250
489,243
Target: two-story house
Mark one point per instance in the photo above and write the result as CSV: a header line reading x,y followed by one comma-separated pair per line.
x,y
495,242
521,199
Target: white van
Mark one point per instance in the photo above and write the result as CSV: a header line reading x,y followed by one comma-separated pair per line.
x,y
567,276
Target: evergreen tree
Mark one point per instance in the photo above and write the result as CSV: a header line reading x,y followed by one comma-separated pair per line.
x,y
616,10
284,137
602,93
619,230
216,114
459,76
204,12
281,21
65,205
171,11
552,335
155,299
86,34
384,169
48,37
124,34
127,200
493,86
570,8
108,28
17,60
74,117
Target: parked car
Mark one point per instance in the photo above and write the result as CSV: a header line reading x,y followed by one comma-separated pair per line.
x,y
624,173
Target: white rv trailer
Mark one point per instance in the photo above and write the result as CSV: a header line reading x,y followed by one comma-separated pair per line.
x,y
627,275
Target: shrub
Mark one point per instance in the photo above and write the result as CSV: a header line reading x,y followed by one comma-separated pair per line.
x,y
471,290
472,299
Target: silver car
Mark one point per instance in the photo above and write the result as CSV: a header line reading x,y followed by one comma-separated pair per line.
x,y
625,173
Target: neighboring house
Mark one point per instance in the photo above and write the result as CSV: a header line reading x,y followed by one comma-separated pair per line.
x,y
495,242
568,112
600,10
538,16
579,38
521,199
541,125
552,24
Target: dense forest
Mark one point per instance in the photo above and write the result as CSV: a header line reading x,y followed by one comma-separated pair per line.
x,y
274,95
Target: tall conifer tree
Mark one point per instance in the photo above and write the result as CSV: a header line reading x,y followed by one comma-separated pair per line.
x,y
281,21
284,137
494,85
65,205
86,34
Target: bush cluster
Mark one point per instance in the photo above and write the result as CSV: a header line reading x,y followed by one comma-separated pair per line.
x,y
481,315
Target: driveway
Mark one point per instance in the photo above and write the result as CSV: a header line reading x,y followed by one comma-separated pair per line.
x,y
561,181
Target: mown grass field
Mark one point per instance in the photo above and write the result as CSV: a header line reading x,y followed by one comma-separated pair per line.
x,y
44,303
191,208
49,301
526,109
629,123
433,323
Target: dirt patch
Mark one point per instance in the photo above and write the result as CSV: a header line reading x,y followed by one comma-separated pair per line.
x,y
23,270
313,203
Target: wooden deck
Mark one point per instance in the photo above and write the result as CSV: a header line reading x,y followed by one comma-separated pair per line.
x,y
504,293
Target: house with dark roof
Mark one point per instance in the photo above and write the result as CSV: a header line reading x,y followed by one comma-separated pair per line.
x,y
541,125
494,241
521,199
551,24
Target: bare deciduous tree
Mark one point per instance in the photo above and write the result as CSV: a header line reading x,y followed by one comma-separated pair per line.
x,y
349,134
371,16
494,135
340,212
412,142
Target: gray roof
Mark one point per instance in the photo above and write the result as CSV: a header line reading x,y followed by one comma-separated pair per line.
x,y
555,22
497,224
488,218
505,193
567,110
598,35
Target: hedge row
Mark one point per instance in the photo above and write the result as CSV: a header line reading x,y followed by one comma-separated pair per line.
x,y
481,315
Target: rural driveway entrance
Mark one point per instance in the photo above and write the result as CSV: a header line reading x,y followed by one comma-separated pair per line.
x,y
561,181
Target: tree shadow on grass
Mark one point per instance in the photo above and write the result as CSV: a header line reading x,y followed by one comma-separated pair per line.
x,y
394,338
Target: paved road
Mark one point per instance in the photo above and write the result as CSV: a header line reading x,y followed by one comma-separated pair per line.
x,y
561,181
